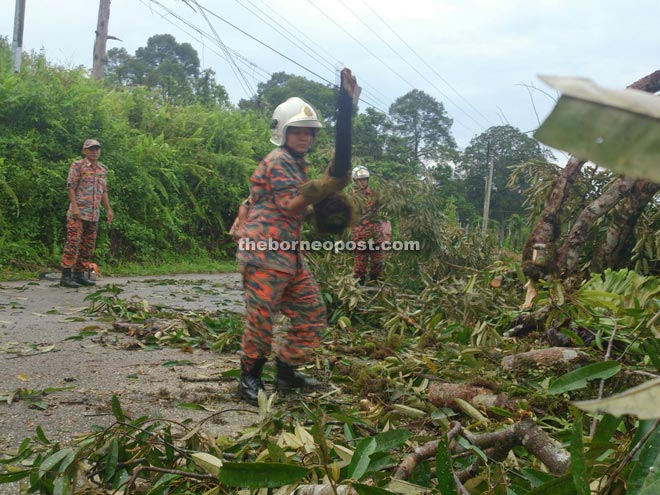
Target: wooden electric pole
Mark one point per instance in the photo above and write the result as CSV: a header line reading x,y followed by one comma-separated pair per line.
x,y
17,42
100,58
489,186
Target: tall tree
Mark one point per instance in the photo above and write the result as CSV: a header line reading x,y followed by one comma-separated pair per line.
x,y
423,128
171,67
369,134
508,147
282,86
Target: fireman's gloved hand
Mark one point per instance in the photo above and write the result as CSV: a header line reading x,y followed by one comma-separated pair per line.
x,y
318,189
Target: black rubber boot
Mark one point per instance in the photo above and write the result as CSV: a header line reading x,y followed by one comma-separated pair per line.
x,y
288,378
79,278
67,280
250,382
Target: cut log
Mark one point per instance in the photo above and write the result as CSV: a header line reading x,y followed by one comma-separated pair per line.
x,y
549,357
443,395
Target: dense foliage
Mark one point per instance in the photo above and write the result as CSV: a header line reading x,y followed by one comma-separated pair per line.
x,y
179,154
176,173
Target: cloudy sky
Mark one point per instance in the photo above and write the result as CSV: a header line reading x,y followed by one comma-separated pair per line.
x,y
480,58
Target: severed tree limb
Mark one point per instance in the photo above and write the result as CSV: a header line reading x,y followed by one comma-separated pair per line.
x,y
497,446
548,226
324,490
612,252
422,453
650,83
573,246
443,395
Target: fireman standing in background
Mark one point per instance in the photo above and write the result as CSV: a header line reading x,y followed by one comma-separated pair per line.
x,y
367,233
87,189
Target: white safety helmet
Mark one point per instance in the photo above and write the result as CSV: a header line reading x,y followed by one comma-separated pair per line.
x,y
294,112
360,173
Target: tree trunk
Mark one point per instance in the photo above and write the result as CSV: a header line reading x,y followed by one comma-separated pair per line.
x,y
569,252
548,226
613,251
100,58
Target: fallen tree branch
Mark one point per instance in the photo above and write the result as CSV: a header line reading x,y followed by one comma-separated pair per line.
x,y
497,446
324,490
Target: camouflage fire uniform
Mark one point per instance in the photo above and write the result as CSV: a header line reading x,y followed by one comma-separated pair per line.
x,y
89,183
278,280
368,227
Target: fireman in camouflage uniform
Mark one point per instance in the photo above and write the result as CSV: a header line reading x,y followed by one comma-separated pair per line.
x,y
367,233
87,189
277,279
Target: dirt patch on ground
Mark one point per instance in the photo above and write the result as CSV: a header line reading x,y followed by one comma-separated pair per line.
x,y
38,320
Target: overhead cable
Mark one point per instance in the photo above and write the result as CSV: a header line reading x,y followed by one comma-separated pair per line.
x,y
375,56
426,63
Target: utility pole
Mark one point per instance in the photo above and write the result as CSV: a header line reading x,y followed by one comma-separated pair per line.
x,y
17,42
100,58
489,186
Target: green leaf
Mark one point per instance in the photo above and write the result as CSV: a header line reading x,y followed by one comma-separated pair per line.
x,y
42,436
391,440
602,439
277,453
360,460
111,460
640,401
651,489
578,378
563,486
646,471
183,362
49,463
617,129
371,490
163,484
116,409
578,463
191,405
60,487
260,475
443,468
208,462
536,478
12,477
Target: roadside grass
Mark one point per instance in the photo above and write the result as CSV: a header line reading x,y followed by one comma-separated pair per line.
x,y
169,267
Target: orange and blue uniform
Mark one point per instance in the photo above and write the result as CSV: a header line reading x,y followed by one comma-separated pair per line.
x,y
368,227
277,278
90,184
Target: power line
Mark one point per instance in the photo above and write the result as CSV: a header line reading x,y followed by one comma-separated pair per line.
x,y
377,95
480,125
374,55
278,52
426,63
249,64
282,32
235,68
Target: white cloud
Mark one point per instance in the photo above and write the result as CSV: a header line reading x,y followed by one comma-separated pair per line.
x,y
485,49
